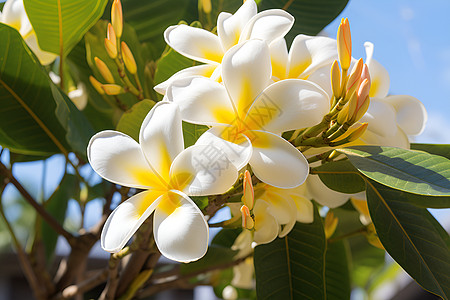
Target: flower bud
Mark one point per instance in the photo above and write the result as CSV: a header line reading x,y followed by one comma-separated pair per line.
x,y
330,224
117,17
128,58
112,89
342,116
248,196
247,220
365,74
97,85
344,44
103,69
111,49
206,6
354,78
336,79
357,133
360,103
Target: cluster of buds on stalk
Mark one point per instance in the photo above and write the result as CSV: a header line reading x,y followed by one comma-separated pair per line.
x,y
123,58
349,102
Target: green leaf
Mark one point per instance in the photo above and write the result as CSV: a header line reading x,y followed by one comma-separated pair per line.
x,y
226,237
151,18
170,63
410,171
310,16
191,133
340,176
56,206
427,201
337,273
131,121
410,238
36,118
62,23
442,150
293,267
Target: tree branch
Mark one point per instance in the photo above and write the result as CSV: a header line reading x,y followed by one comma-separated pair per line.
x,y
39,208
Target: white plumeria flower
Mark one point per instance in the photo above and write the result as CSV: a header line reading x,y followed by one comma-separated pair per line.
x,y
168,174
203,46
307,54
14,15
277,210
247,113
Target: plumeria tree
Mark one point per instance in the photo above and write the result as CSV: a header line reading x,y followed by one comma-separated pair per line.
x,y
179,116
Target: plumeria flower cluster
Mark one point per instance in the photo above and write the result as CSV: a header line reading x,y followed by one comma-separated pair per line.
x,y
263,105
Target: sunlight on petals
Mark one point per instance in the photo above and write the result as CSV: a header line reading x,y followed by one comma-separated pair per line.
x,y
182,234
276,162
319,192
125,220
379,75
194,94
381,118
205,70
195,43
204,170
268,25
246,72
238,153
119,159
305,209
161,136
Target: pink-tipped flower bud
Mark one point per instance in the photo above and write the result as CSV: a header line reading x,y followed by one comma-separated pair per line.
x,y
354,78
247,220
248,196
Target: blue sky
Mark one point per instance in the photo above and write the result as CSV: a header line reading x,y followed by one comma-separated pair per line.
x,y
412,41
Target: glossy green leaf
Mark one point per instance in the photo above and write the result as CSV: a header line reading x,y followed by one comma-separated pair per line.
x,y
340,176
131,121
410,171
442,150
337,273
151,18
36,118
410,238
427,201
56,206
293,267
191,133
310,16
62,23
170,63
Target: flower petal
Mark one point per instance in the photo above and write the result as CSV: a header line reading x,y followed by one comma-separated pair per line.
x,y
203,170
305,209
125,220
266,226
397,139
276,162
287,105
195,43
180,229
229,27
379,76
279,58
238,153
268,25
118,158
411,113
280,207
381,117
246,71
322,78
14,15
320,193
205,70
202,101
309,53
161,137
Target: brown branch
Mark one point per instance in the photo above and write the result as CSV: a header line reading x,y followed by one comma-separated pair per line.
x,y
39,208
86,285
38,290
182,280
